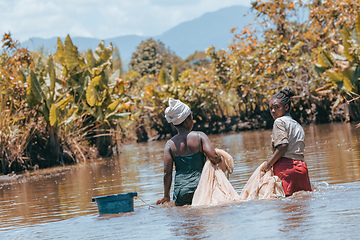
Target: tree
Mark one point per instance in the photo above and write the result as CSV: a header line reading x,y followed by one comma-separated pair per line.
x,y
150,56
14,115
162,77
342,69
197,60
285,56
117,62
12,61
175,73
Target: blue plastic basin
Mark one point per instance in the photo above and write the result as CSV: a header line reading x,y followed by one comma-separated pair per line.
x,y
117,203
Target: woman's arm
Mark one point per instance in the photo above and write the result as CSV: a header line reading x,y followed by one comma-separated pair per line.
x,y
279,152
168,167
208,149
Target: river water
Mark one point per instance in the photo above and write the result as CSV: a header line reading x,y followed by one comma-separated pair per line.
x,y
56,203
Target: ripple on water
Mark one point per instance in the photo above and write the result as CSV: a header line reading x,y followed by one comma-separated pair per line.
x,y
330,211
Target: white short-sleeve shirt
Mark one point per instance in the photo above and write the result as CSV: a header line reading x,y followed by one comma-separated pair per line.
x,y
287,130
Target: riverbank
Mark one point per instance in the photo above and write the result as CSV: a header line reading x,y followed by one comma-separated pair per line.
x,y
74,151
263,120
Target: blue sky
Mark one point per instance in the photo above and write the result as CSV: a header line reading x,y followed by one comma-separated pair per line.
x,y
100,19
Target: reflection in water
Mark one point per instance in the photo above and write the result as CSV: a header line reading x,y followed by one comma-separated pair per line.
x,y
296,211
186,223
52,196
190,223
334,152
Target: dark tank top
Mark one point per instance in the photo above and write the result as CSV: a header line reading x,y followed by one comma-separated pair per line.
x,y
188,172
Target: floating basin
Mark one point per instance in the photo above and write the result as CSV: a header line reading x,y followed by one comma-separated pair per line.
x,y
123,202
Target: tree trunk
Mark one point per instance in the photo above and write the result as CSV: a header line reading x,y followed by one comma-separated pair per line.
x,y
53,146
354,110
104,142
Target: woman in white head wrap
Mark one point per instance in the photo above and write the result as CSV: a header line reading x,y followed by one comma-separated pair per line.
x,y
188,150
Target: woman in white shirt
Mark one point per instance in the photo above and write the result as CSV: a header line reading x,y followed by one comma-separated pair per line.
x,y
288,144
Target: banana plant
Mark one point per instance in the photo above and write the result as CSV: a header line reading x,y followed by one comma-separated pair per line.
x,y
48,98
342,69
105,95
100,97
70,86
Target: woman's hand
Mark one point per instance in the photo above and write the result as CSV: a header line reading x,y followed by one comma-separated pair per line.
x,y
279,152
168,166
266,167
163,200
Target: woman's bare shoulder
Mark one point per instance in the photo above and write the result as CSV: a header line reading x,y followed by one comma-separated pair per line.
x,y
175,140
196,133
201,134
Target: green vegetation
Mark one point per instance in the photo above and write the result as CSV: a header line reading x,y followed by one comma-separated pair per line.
x,y
342,68
70,107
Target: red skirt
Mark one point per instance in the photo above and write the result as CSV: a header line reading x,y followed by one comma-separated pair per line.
x,y
294,175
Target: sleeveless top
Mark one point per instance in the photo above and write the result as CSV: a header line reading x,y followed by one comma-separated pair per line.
x,y
188,172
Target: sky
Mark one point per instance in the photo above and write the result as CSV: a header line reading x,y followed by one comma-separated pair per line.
x,y
25,19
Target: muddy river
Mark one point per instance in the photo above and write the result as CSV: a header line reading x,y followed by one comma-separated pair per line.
x,y
56,203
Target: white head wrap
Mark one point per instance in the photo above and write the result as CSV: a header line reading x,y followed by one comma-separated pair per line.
x,y
177,112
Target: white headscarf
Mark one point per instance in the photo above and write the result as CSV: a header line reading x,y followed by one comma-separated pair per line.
x,y
177,112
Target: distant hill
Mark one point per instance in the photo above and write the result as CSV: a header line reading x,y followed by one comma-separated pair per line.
x,y
211,29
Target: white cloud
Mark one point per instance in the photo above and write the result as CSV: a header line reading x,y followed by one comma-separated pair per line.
x,y
100,19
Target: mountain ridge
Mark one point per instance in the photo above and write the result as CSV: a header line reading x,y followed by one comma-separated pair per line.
x,y
210,29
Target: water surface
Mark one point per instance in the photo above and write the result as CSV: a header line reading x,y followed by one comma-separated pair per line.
x,y
56,203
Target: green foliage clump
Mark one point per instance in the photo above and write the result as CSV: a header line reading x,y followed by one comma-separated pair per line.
x,y
341,68
150,56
